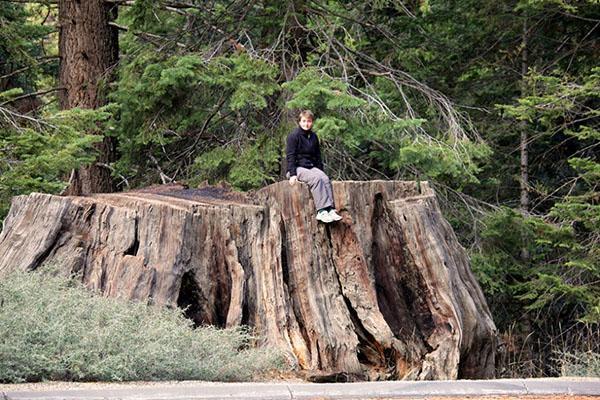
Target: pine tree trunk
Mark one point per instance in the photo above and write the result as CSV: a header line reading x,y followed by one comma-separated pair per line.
x,y
524,165
88,48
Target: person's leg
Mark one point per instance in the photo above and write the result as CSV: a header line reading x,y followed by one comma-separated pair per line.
x,y
329,189
332,212
319,185
327,186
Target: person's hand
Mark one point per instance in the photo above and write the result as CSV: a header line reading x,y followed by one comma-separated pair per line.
x,y
293,180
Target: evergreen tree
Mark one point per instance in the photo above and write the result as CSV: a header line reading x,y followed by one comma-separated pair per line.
x,y
38,146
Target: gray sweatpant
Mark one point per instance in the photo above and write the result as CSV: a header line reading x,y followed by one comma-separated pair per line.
x,y
319,184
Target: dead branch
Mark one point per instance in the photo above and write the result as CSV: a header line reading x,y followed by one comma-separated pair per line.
x,y
163,177
145,34
18,71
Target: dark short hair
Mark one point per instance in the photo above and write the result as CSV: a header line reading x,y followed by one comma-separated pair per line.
x,y
306,114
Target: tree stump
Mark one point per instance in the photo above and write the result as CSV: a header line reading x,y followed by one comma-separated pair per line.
x,y
386,293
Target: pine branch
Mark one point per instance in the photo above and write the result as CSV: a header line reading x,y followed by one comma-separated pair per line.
x,y
46,2
179,8
146,34
39,93
11,117
18,71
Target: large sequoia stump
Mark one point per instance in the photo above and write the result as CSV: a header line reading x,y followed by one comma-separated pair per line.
x,y
385,293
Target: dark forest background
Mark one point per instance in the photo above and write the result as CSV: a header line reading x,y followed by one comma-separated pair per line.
x,y
496,103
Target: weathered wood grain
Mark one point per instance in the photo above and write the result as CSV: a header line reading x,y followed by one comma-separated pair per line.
x,y
386,293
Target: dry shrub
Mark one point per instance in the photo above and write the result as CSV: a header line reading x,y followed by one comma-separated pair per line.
x,y
51,328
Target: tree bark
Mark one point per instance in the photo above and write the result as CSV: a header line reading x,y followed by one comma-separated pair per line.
x,y
386,293
524,165
88,48
524,161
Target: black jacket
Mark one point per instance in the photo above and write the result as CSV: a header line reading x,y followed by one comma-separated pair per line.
x,y
302,150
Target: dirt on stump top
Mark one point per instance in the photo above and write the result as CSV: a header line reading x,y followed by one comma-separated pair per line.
x,y
203,193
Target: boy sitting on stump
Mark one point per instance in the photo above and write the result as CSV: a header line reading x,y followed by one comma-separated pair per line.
x,y
304,164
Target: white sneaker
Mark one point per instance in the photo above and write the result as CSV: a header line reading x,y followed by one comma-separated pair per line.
x,y
324,216
334,215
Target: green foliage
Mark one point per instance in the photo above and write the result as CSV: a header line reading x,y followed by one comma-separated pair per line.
x,y
498,265
213,164
142,14
314,90
20,47
332,101
39,157
249,81
234,97
555,97
559,105
29,145
174,103
245,170
150,16
537,5
54,329
441,162
154,88
558,278
11,94
256,165
406,146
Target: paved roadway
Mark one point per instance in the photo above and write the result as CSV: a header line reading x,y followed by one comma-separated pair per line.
x,y
292,391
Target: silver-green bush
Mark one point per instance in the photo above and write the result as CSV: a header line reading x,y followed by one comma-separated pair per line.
x,y
51,328
580,364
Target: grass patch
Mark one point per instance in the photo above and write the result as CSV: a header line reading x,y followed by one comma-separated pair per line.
x,y
52,328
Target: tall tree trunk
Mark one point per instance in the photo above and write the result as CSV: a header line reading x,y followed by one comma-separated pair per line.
x,y
524,203
89,51
524,137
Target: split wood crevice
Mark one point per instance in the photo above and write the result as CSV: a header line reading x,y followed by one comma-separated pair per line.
x,y
386,293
